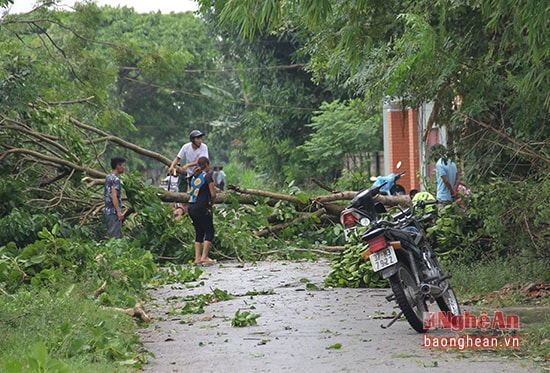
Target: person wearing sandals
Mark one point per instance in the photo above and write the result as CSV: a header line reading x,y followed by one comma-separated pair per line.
x,y
202,196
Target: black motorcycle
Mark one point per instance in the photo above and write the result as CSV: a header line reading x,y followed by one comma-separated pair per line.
x,y
399,248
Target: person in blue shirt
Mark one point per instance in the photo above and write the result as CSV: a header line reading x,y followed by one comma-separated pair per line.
x,y
448,178
201,200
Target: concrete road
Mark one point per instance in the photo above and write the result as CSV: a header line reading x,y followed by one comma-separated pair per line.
x,y
299,329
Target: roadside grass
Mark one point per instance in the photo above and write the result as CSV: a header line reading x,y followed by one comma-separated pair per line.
x,y
477,284
473,281
61,328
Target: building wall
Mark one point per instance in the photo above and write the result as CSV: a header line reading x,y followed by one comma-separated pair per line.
x,y
407,139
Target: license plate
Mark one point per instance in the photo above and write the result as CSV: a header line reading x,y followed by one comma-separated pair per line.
x,y
383,258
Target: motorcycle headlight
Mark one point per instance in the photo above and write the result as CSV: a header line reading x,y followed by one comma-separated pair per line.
x,y
364,222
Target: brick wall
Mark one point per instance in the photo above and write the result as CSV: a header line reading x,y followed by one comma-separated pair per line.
x,y
404,146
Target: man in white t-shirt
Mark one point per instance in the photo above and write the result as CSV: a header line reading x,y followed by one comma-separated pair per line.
x,y
191,151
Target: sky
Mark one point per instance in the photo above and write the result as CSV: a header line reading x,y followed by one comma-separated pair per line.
x,y
140,6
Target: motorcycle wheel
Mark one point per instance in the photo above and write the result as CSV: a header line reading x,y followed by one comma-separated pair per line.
x,y
398,190
447,302
408,297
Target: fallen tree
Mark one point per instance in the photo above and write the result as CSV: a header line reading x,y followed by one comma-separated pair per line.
x,y
52,155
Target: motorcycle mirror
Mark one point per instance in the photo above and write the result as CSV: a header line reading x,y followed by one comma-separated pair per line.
x,y
379,207
398,165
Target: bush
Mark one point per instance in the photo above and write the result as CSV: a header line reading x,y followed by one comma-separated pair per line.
x,y
500,218
59,330
52,259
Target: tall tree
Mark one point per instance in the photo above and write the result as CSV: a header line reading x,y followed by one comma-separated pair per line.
x,y
483,63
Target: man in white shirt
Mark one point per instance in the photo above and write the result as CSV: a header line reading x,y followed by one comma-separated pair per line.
x,y
220,180
191,151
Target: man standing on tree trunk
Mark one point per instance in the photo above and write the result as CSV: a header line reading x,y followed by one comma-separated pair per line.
x,y
191,151
113,198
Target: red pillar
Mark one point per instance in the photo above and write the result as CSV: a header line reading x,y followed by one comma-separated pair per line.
x,y
404,146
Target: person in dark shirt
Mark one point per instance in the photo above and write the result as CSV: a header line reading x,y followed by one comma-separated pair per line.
x,y
202,196
113,198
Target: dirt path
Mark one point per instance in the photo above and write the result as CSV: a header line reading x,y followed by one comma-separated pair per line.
x,y
299,328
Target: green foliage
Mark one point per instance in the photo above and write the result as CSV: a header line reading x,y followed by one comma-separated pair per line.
x,y
37,360
50,259
5,3
22,227
495,218
245,318
238,174
58,329
350,180
483,64
350,270
10,194
132,75
535,343
195,304
43,297
178,274
155,88
129,266
153,225
341,129
235,225
41,262
264,122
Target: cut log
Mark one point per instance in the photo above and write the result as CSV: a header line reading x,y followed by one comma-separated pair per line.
x,y
137,311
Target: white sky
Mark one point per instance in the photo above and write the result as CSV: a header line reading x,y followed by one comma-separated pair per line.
x,y
140,6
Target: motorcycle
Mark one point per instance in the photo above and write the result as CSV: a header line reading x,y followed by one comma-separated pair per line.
x,y
362,211
399,248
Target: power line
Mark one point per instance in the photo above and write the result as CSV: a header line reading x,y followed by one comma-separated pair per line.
x,y
278,67
221,99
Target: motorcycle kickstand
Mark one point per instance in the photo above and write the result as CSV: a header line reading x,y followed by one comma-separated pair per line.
x,y
397,317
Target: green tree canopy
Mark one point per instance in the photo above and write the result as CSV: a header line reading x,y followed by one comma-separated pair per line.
x,y
341,129
484,63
